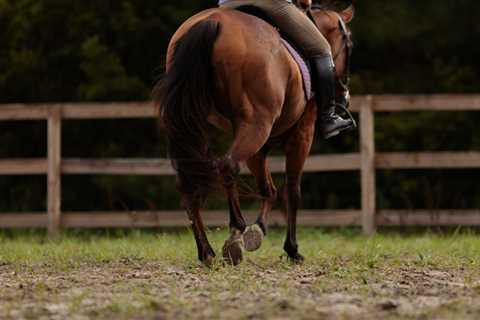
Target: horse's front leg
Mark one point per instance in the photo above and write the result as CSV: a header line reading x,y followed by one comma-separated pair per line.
x,y
297,149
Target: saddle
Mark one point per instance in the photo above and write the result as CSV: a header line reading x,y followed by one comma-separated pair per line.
x,y
302,63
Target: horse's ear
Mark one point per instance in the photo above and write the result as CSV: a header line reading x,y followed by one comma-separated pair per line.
x,y
348,14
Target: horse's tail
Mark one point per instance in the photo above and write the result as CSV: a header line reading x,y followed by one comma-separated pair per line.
x,y
185,97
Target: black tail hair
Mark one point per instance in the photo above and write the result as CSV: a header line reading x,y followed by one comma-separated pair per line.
x,y
185,97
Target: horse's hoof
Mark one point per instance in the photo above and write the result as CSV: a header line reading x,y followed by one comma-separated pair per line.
x,y
208,261
296,258
233,249
253,237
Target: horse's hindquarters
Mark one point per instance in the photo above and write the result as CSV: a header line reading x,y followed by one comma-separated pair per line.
x,y
256,77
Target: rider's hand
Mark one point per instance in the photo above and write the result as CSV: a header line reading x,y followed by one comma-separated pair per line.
x,y
304,4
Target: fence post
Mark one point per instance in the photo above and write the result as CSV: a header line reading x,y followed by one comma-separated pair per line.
x,y
367,143
54,170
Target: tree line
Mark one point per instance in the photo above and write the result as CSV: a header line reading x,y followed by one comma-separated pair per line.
x,y
52,50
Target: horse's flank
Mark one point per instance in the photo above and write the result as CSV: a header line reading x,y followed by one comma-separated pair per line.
x,y
251,63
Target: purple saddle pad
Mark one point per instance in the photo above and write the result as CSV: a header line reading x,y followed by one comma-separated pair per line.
x,y
304,69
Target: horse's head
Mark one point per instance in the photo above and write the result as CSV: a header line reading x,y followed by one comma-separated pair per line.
x,y
333,26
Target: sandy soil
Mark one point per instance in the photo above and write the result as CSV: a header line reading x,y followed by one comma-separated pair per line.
x,y
134,289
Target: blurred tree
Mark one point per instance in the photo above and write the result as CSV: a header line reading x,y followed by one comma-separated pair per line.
x,y
87,50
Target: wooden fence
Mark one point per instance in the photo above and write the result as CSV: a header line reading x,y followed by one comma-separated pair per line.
x,y
367,161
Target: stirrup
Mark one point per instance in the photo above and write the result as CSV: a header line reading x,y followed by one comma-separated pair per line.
x,y
348,113
331,134
353,126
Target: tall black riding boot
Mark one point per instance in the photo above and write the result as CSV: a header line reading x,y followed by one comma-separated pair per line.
x,y
330,122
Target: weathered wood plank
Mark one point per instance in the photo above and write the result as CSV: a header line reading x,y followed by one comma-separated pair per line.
x,y
54,170
163,167
15,112
23,166
211,218
125,110
309,218
118,166
367,144
143,219
428,217
315,163
401,103
23,220
114,110
357,102
333,162
428,160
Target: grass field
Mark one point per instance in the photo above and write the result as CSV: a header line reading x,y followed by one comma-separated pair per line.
x,y
146,275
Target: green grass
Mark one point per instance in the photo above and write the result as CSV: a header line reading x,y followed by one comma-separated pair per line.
x,y
124,274
178,247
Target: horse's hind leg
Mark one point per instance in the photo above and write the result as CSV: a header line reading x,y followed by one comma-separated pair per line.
x,y
248,141
233,248
258,165
192,204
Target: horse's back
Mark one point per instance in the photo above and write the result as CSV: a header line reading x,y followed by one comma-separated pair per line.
x,y
256,76
242,36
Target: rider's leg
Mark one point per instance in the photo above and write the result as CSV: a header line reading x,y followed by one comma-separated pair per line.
x,y
331,123
292,22
299,29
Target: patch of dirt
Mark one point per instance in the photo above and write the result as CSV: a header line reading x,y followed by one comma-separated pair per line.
x,y
132,289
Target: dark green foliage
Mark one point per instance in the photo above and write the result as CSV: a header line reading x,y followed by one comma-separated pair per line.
x,y
416,46
55,50
83,50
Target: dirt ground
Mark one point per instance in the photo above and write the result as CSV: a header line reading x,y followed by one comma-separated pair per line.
x,y
140,275
133,289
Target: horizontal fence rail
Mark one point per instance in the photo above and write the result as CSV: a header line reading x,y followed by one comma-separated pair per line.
x,y
367,161
311,218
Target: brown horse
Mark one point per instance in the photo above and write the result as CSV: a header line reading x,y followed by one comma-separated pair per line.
x,y
227,72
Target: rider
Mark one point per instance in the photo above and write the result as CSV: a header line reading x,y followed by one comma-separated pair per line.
x,y
303,32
